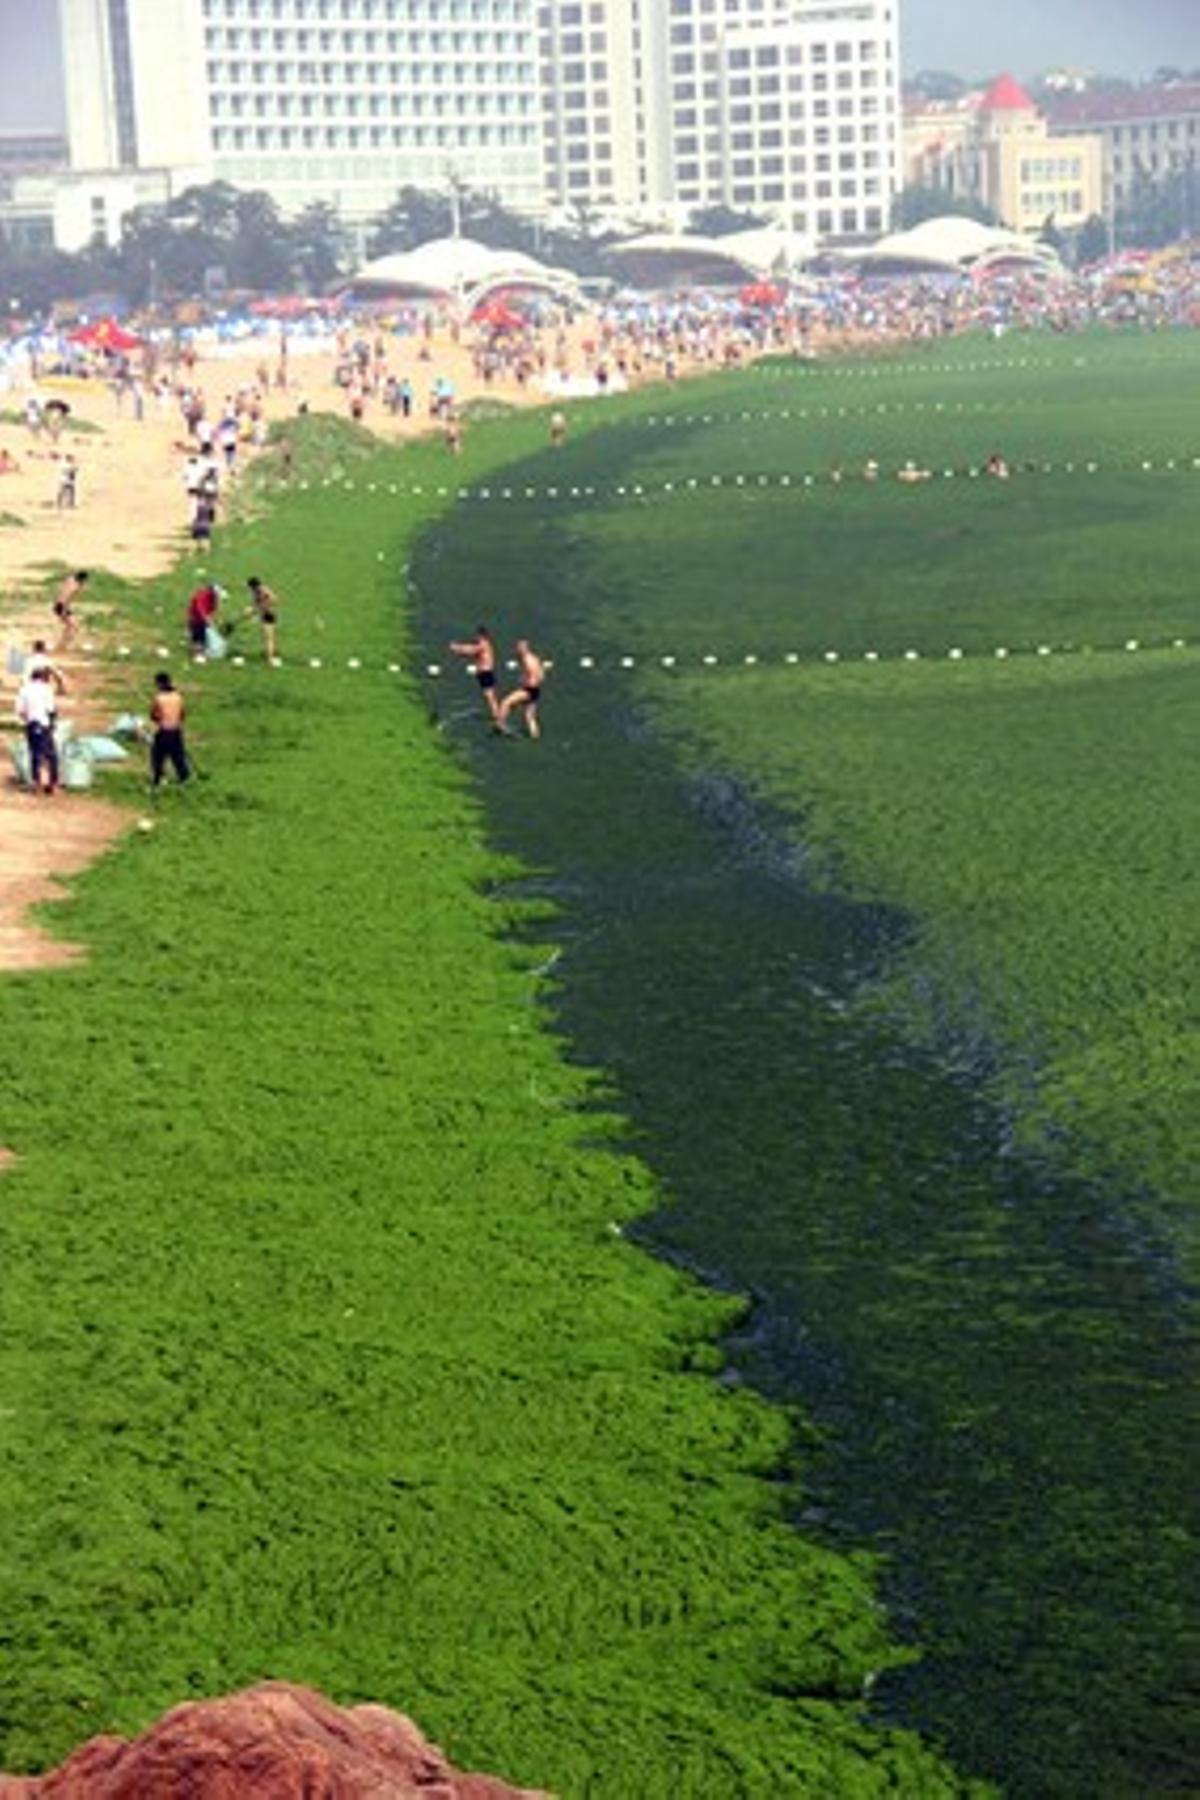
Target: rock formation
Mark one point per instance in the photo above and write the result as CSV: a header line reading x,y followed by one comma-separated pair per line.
x,y
274,1742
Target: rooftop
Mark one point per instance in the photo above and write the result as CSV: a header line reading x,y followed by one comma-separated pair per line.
x,y
1006,95
1114,106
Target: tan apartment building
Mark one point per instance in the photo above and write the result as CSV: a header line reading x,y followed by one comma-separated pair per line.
x,y
997,148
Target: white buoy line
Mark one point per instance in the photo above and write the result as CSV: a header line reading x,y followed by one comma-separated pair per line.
x,y
871,368
752,416
867,367
709,659
911,471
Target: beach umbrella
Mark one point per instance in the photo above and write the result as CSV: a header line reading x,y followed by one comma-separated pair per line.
x,y
497,315
106,334
762,293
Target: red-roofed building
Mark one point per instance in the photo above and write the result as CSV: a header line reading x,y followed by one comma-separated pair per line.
x,y
995,147
1006,95
1146,132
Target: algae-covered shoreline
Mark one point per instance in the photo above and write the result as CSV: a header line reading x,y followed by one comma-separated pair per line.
x,y
323,1353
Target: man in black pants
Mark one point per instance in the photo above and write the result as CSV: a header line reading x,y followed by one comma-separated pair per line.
x,y
167,745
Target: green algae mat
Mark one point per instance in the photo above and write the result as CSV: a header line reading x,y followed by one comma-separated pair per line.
x,y
852,977
323,1354
870,811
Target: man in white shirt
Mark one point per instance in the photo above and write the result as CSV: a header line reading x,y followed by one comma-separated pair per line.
x,y
36,706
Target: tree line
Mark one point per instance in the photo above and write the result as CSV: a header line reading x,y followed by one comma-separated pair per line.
x,y
218,240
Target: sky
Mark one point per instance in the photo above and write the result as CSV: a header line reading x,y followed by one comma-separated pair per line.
x,y
970,37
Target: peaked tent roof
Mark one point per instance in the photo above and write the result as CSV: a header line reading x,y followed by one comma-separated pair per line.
x,y
1006,95
458,267
673,259
953,243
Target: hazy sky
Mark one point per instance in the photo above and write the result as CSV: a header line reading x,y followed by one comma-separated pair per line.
x,y
973,37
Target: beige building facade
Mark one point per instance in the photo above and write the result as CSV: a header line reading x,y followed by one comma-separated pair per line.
x,y
998,149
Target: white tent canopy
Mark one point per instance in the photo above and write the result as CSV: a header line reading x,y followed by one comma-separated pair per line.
x,y
459,269
668,258
955,243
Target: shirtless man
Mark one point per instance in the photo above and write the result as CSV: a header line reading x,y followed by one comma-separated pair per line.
x,y
167,746
264,603
528,694
64,607
481,650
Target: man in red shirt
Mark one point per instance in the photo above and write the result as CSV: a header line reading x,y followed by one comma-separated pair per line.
x,y
202,611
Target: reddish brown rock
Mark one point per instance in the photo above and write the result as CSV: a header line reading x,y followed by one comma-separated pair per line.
x,y
274,1742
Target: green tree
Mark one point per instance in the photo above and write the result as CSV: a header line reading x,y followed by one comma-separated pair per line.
x,y
1051,235
210,209
720,221
258,249
415,216
1160,209
936,84
1091,244
319,246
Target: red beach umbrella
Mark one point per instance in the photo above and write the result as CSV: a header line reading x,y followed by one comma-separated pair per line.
x,y
106,334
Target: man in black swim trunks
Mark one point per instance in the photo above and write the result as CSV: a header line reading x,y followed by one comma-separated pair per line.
x,y
64,607
528,694
265,604
481,650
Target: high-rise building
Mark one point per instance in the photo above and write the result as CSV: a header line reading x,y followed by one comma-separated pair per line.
x,y
338,100
588,53
788,107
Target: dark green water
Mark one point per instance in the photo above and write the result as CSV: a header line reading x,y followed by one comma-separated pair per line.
x,y
1000,1368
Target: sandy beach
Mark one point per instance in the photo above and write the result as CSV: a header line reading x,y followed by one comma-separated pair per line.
x,y
131,519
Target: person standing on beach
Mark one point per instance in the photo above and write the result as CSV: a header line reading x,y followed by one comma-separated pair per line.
x,y
264,602
64,607
202,610
67,493
481,649
167,711
37,706
528,694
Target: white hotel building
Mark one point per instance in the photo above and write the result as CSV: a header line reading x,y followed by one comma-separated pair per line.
x,y
789,107
338,100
